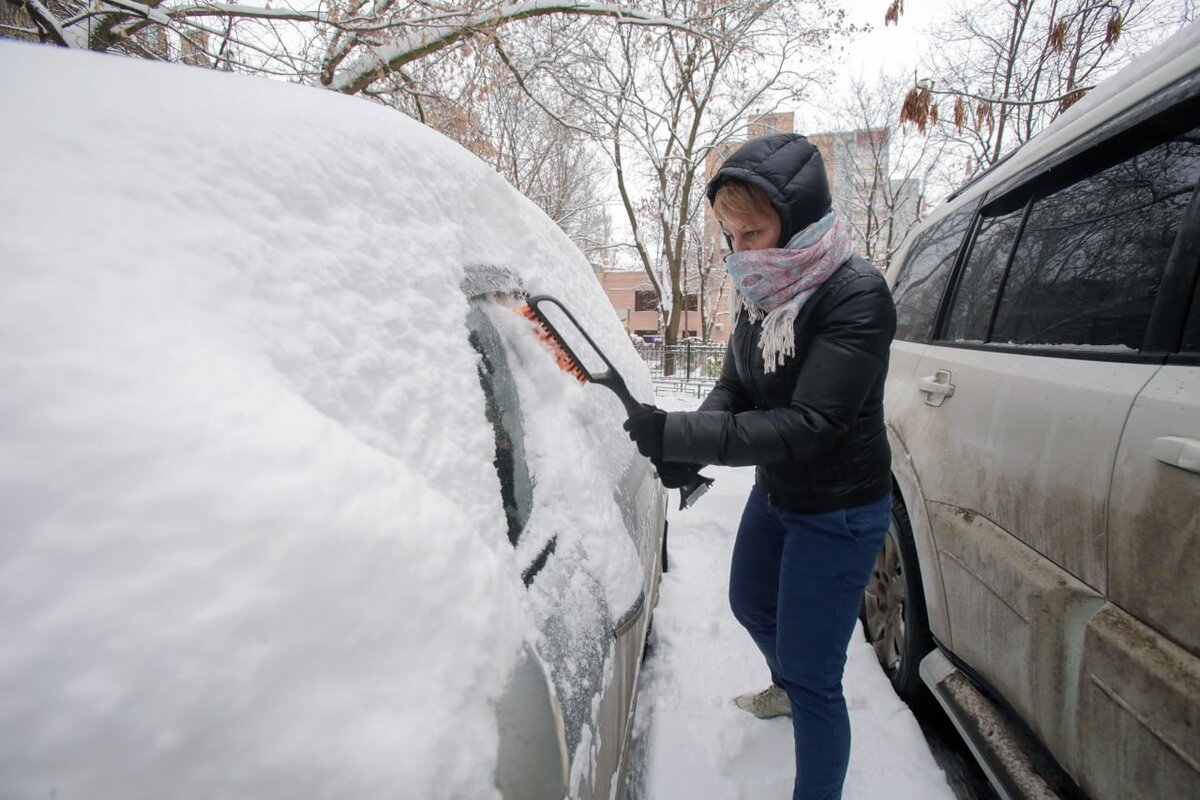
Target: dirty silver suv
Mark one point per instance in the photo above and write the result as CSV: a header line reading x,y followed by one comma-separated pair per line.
x,y
1042,576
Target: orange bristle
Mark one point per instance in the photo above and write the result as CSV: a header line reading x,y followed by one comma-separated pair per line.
x,y
565,362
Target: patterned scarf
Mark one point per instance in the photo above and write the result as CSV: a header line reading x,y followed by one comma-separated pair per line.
x,y
774,284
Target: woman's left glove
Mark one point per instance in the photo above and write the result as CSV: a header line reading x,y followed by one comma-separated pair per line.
x,y
676,474
645,428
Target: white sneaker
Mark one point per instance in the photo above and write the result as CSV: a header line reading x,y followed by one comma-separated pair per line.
x,y
770,702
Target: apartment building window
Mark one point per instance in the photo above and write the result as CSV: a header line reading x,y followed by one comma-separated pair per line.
x,y
645,301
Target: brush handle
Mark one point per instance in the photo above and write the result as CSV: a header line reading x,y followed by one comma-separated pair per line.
x,y
615,383
609,378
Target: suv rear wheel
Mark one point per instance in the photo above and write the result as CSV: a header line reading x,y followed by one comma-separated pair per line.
x,y
893,608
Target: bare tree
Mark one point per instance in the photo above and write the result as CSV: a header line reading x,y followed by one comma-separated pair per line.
x,y
352,46
555,166
16,23
662,101
886,167
712,283
476,101
999,73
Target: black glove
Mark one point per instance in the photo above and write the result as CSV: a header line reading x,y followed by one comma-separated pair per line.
x,y
676,474
645,428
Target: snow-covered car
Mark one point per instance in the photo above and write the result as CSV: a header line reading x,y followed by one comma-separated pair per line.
x,y
293,504
1043,408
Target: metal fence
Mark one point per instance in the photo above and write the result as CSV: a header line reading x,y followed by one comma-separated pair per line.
x,y
691,367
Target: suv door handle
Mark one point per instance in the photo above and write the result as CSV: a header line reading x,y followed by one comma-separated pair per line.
x,y
1178,452
937,387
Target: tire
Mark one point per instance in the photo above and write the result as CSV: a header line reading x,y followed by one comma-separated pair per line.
x,y
893,608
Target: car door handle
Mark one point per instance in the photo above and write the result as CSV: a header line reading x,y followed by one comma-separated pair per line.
x,y
1178,452
937,387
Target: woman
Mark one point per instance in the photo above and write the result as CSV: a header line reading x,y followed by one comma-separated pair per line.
x,y
800,397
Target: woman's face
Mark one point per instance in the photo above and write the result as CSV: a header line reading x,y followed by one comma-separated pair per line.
x,y
758,231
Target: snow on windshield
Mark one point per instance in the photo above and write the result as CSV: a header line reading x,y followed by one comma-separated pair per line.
x,y
250,542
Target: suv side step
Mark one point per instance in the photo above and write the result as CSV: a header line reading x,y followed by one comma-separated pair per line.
x,y
996,742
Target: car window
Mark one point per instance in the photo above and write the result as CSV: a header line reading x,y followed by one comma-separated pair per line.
x,y
971,310
1191,332
504,414
924,274
1091,256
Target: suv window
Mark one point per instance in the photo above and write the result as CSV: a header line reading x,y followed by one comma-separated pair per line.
x,y
971,311
1191,332
1091,256
924,274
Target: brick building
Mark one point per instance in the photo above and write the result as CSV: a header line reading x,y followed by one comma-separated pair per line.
x,y
636,304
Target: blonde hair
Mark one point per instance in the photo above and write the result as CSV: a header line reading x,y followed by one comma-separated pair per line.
x,y
740,202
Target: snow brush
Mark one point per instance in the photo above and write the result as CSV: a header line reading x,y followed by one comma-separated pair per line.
x,y
578,355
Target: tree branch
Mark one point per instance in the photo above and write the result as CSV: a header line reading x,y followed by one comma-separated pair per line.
x,y
20,30
411,48
48,24
1005,100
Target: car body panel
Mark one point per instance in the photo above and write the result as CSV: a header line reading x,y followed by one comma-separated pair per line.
x,y
532,762
1018,619
1006,436
1139,712
607,754
1153,512
905,358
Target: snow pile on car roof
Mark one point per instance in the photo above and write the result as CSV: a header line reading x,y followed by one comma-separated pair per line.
x,y
249,545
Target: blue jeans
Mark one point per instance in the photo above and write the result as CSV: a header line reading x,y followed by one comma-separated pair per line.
x,y
796,584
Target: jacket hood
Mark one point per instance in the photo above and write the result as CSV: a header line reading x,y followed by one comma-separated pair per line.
x,y
790,170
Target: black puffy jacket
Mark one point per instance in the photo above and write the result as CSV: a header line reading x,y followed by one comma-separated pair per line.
x,y
814,426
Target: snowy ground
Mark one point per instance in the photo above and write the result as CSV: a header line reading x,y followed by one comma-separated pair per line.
x,y
691,740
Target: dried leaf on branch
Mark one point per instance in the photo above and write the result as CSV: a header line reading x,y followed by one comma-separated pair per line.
x,y
1058,36
892,17
916,107
984,115
1113,32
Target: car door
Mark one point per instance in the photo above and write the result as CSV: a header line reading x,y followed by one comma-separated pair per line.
x,y
1027,387
1140,693
591,649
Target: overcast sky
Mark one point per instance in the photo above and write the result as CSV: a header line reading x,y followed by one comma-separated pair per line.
x,y
895,48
